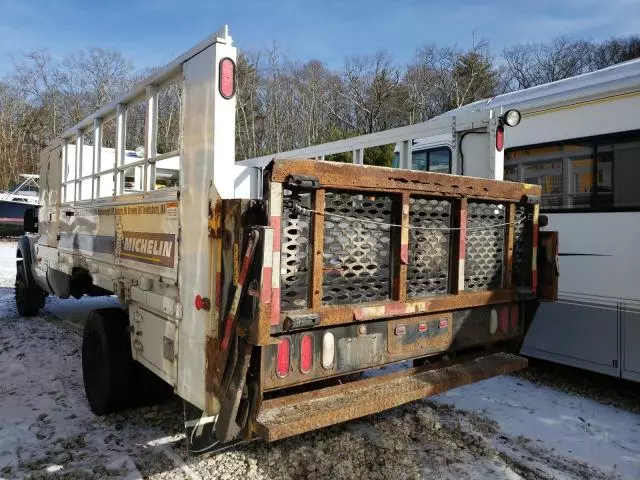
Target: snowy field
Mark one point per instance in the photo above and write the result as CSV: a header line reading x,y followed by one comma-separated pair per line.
x,y
503,428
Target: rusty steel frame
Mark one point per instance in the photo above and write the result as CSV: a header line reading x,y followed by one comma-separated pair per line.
x,y
299,413
393,180
403,183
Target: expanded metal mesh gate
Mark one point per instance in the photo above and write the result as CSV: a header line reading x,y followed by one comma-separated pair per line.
x,y
295,242
361,243
357,248
429,250
485,246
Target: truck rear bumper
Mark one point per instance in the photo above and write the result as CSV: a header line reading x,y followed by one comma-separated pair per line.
x,y
294,414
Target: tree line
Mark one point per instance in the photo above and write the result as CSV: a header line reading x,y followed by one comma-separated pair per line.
x,y
285,104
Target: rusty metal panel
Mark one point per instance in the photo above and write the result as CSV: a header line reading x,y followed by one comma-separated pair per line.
x,y
420,335
362,351
463,329
509,246
402,255
486,225
357,248
294,414
393,180
318,240
428,270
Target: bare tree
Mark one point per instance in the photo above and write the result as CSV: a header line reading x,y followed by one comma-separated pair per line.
x,y
440,79
616,50
369,84
533,64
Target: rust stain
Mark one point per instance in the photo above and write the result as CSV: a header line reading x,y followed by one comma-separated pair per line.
x,y
341,315
210,349
236,263
215,219
294,414
318,269
381,179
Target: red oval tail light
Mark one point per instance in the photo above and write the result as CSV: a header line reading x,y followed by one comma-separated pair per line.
x,y
227,80
500,138
282,360
306,354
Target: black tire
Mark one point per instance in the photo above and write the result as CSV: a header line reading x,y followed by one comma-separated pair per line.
x,y
29,298
107,364
147,388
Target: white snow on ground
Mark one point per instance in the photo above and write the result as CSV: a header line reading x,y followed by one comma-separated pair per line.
x,y
45,423
503,428
7,263
567,424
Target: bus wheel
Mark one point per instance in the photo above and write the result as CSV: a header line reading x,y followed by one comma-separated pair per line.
x,y
106,360
29,298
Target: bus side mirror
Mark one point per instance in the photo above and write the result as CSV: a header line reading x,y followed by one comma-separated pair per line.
x,y
31,220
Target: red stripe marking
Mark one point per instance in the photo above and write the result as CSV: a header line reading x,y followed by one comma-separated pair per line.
x,y
404,254
358,314
218,290
535,235
16,221
534,281
463,235
275,224
265,288
504,319
275,306
395,308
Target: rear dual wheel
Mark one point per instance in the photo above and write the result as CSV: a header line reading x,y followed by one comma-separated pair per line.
x,y
113,381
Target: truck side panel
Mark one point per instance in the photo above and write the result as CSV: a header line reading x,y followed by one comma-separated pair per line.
x,y
206,178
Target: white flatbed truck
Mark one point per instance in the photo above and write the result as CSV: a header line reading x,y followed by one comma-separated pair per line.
x,y
266,293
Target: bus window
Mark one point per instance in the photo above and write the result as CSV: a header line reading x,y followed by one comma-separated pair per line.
x,y
432,160
617,174
419,161
440,160
599,173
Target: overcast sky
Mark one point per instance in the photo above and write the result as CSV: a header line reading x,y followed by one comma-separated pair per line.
x,y
153,32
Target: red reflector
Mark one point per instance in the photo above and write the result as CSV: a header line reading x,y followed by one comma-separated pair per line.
x,y
227,79
500,138
422,327
443,323
504,319
306,354
514,316
282,360
198,302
